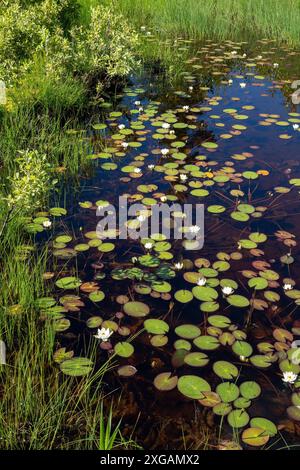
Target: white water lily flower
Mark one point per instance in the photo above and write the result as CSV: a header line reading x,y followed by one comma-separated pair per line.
x,y
230,81
234,52
287,287
178,266
143,28
165,125
163,198
201,281
275,65
227,290
141,109
141,218
137,170
165,151
259,57
103,334
289,377
185,108
151,167
244,55
47,224
194,229
172,132
295,126
134,259
121,126
191,88
183,177
137,103
148,245
124,145
243,85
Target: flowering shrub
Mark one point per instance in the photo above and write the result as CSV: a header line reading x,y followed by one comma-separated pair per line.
x,y
42,31
29,183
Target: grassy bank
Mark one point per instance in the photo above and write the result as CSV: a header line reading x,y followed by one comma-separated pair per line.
x,y
217,19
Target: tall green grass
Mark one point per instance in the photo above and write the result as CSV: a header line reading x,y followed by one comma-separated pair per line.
x,y
216,19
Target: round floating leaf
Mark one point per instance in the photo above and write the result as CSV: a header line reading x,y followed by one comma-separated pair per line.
x,y
156,327
124,349
96,296
188,331
258,283
68,282
254,437
196,359
77,366
238,418
261,361
294,412
266,425
126,371
94,322
207,343
210,399
238,300
206,294
192,386
183,296
220,321
136,309
227,391
165,381
222,409
242,348
225,370
250,390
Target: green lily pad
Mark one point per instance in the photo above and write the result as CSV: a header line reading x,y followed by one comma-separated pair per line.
x,y
165,381
225,370
77,366
238,418
136,309
192,386
124,349
156,327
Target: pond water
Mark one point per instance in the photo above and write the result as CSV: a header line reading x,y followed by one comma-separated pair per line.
x,y
202,338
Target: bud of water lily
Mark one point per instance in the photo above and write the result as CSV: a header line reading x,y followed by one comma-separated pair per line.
x,y
178,266
134,259
163,198
201,281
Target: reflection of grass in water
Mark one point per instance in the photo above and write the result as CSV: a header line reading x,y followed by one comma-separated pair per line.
x,y
222,19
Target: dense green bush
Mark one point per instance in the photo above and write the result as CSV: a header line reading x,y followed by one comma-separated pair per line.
x,y
44,37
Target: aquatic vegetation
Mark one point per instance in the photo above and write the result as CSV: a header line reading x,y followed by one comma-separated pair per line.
x,y
198,311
